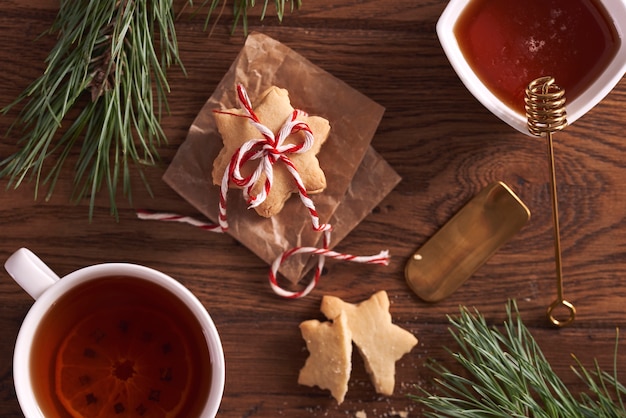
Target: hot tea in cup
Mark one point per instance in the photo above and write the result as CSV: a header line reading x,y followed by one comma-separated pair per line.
x,y
114,340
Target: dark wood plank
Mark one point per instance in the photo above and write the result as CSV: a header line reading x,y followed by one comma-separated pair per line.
x,y
442,142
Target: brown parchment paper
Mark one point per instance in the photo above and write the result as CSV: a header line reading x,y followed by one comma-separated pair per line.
x,y
358,178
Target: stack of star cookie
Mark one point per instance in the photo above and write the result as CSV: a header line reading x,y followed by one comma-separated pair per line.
x,y
368,324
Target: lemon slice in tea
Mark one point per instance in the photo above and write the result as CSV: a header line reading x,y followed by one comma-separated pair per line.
x,y
123,362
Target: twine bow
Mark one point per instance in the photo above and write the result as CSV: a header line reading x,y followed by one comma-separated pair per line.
x,y
268,150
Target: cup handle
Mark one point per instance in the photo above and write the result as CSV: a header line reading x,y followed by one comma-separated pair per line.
x,y
32,274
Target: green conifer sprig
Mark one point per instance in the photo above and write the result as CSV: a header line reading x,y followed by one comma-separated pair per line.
x,y
107,49
508,376
240,10
103,91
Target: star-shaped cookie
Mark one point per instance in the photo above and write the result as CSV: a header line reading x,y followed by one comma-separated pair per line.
x,y
330,350
273,108
380,342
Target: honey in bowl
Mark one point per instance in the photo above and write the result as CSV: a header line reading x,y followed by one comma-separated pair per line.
x,y
123,347
509,43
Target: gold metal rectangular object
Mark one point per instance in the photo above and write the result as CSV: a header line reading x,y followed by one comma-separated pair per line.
x,y
466,242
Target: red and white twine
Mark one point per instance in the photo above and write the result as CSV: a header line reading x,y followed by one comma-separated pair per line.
x,y
268,150
380,258
173,217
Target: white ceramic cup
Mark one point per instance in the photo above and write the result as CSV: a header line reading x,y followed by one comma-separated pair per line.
x,y
36,278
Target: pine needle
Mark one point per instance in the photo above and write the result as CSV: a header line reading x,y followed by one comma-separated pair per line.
x,y
241,8
508,376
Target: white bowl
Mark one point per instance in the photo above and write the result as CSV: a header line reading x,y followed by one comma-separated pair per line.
x,y
604,83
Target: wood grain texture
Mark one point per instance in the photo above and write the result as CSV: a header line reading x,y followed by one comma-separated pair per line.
x,y
442,142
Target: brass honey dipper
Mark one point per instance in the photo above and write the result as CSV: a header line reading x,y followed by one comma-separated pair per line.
x,y
545,110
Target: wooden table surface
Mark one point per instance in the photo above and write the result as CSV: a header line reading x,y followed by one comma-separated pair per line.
x,y
442,142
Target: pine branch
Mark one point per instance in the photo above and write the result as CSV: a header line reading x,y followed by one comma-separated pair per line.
x,y
106,50
509,376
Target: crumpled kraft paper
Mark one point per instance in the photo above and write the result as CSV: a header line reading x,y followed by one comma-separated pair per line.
x,y
358,177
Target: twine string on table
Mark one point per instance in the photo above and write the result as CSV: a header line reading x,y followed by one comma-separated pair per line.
x,y
173,217
268,150
381,258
